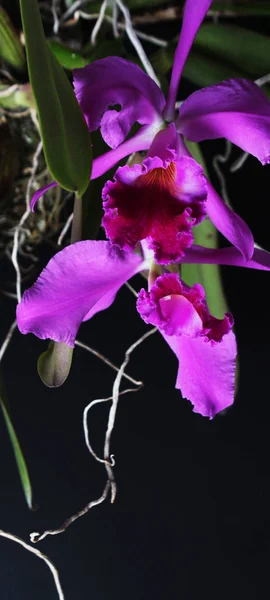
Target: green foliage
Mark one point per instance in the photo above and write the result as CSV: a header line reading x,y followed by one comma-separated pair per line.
x,y
66,56
11,50
73,60
247,8
21,464
21,97
65,136
219,52
244,49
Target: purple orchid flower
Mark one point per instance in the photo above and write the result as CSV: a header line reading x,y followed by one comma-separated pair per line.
x,y
157,202
198,340
235,109
166,197
84,278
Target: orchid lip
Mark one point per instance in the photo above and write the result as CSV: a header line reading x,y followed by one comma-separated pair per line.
x,y
159,200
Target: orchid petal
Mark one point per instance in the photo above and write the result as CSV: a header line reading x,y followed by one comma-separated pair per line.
x,y
227,256
180,316
224,218
237,110
37,195
229,223
140,141
194,13
205,346
206,373
159,200
79,281
115,81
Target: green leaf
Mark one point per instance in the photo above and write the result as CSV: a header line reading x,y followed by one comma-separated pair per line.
x,y
246,50
20,96
200,68
246,8
204,70
206,235
11,50
66,56
54,364
65,136
103,49
21,464
73,60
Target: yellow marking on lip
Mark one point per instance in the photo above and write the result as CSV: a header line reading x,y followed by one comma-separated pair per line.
x,y
163,179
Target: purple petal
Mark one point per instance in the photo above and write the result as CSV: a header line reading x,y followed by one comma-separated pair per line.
x,y
205,346
224,218
229,223
236,109
227,256
180,315
194,13
115,81
206,373
37,195
140,141
159,200
79,281
170,306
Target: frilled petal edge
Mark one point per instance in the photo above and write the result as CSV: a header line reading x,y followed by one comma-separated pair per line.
x,y
206,373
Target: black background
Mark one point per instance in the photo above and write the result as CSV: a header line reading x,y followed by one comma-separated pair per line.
x,y
191,516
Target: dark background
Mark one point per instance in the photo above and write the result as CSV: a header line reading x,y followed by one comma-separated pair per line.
x,y
191,517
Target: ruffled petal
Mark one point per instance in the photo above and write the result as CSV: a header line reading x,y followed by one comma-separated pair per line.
x,y
205,346
206,374
194,13
237,110
79,281
115,82
227,256
171,306
159,200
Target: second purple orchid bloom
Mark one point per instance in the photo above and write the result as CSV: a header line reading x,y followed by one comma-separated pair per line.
x,y
152,208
